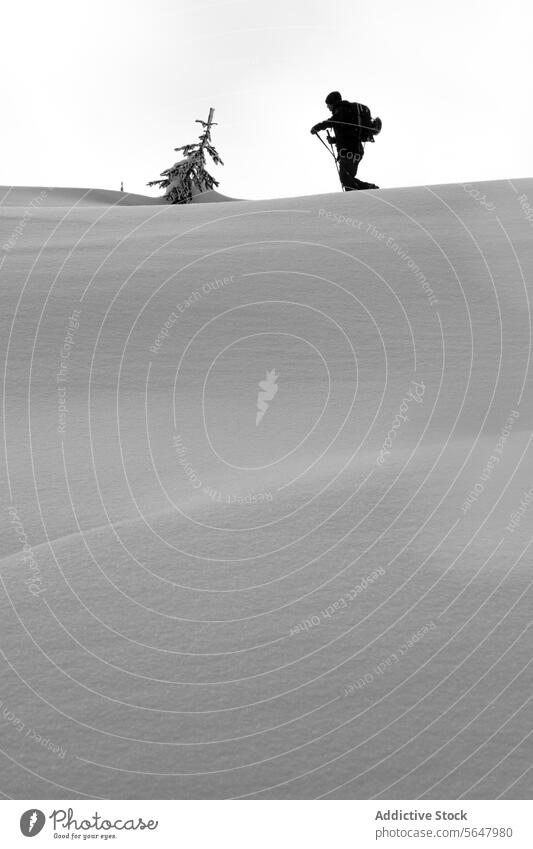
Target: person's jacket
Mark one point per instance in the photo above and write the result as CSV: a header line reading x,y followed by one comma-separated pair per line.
x,y
346,122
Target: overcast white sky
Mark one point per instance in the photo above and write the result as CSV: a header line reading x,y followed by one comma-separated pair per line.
x,y
98,91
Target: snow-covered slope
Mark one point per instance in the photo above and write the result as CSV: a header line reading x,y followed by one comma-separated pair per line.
x,y
37,197
333,601
211,196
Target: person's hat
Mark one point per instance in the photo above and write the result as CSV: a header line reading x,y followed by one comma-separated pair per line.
x,y
333,97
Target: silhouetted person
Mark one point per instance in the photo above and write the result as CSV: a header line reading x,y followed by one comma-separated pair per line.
x,y
352,124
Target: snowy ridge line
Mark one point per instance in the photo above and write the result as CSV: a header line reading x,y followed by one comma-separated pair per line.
x,y
86,531
58,196
195,500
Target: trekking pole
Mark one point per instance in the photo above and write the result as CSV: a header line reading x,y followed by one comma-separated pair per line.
x,y
335,158
319,137
329,150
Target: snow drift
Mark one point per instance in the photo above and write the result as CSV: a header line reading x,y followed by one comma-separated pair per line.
x,y
330,599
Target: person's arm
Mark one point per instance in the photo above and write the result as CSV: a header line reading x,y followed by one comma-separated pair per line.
x,y
323,125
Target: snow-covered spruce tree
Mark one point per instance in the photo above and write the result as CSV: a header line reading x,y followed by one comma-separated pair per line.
x,y
189,176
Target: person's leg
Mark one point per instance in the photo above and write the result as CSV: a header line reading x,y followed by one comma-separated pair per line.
x,y
362,184
348,166
356,156
347,172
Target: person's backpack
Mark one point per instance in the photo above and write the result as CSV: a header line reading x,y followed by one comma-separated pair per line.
x,y
366,127
375,128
